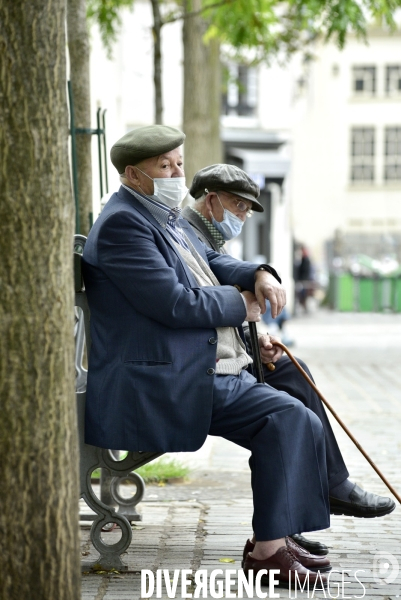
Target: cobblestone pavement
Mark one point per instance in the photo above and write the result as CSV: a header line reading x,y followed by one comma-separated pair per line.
x,y
203,523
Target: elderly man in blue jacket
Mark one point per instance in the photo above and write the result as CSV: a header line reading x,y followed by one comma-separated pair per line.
x,y
168,364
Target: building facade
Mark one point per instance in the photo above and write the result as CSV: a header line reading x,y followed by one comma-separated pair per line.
x,y
346,170
322,138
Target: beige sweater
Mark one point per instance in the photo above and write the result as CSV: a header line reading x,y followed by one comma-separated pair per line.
x,y
231,353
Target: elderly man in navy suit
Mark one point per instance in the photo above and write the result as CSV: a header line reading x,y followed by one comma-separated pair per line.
x,y
168,364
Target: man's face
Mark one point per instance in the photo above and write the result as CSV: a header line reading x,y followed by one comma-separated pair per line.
x,y
169,164
238,206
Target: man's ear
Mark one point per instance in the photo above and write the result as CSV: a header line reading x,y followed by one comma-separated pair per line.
x,y
132,175
208,199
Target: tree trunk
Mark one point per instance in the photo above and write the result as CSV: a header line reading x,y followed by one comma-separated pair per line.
x,y
157,61
38,431
79,51
214,69
202,89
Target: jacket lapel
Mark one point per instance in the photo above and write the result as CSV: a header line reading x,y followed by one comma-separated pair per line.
x,y
134,202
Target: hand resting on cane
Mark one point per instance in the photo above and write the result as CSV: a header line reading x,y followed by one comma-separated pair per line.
x,y
268,352
252,307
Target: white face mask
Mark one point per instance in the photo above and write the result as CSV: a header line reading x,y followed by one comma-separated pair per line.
x,y
168,190
230,226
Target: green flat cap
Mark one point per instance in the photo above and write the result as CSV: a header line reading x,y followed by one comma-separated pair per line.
x,y
144,142
226,178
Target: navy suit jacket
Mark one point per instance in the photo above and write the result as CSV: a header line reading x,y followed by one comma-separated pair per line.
x,y
150,384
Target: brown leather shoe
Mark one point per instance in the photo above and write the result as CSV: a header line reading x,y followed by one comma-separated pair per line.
x,y
308,560
287,564
249,546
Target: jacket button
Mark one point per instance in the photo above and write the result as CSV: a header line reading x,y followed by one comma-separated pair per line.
x,y
212,340
210,371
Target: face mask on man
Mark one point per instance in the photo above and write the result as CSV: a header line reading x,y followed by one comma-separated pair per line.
x,y
230,226
168,190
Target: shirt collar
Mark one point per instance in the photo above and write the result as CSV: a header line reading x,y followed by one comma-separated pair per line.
x,y
158,210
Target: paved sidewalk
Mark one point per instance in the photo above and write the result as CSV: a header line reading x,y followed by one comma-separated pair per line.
x,y
203,524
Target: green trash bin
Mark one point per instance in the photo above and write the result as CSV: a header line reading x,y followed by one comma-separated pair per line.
x,y
345,293
366,294
396,299
385,293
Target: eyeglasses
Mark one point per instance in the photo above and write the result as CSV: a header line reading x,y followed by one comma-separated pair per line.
x,y
242,206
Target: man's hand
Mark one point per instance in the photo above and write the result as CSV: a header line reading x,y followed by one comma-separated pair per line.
x,y
252,307
267,286
268,352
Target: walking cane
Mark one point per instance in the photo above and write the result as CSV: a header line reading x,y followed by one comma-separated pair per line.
x,y
260,379
257,359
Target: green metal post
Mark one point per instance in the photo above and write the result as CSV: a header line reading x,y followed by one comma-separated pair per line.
x,y
74,158
105,150
99,147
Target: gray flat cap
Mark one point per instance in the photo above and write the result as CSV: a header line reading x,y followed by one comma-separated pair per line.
x,y
226,178
144,142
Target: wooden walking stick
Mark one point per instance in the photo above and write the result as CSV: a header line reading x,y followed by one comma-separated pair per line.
x,y
335,415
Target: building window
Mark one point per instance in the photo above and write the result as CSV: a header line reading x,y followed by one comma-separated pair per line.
x,y
393,79
362,154
364,80
240,91
392,154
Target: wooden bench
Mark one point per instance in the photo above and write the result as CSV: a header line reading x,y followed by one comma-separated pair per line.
x,y
111,507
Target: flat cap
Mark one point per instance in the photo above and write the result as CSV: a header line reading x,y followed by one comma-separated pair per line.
x,y
144,142
227,178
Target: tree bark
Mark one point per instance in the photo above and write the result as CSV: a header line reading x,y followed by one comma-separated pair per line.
x,y
79,52
157,61
202,89
38,431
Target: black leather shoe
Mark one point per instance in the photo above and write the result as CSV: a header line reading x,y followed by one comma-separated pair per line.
x,y
362,504
310,545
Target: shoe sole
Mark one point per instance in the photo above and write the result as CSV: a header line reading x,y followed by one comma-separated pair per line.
x,y
315,552
349,513
314,570
264,580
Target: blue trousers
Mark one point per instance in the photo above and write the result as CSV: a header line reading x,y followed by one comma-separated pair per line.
x,y
288,460
287,378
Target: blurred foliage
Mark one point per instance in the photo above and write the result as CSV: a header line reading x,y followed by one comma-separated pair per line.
x,y
260,29
264,28
107,14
